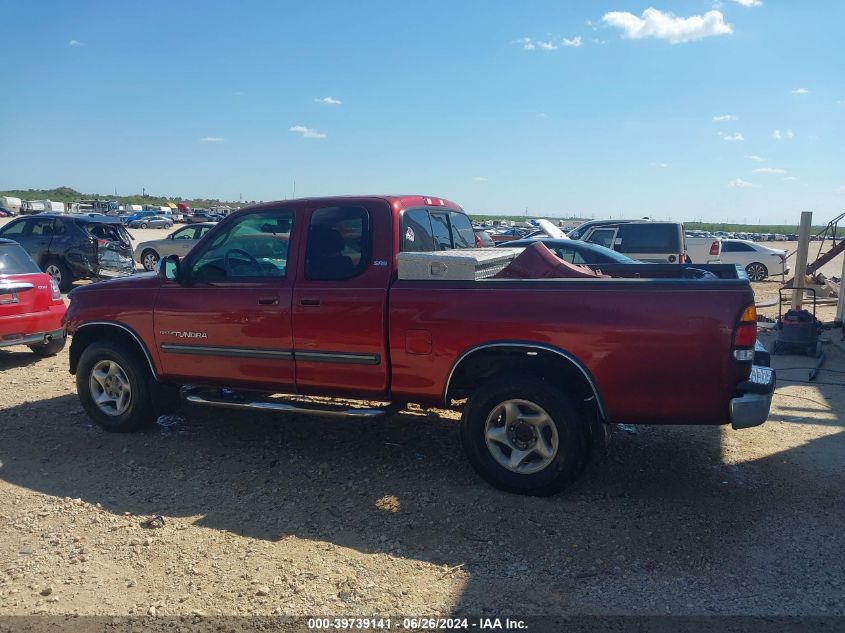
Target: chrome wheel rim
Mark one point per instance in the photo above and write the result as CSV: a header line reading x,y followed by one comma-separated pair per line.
x,y
150,261
54,272
110,388
756,272
521,436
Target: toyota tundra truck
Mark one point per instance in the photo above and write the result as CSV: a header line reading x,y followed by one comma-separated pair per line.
x,y
287,300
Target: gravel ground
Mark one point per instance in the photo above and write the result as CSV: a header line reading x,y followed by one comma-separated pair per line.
x,y
304,516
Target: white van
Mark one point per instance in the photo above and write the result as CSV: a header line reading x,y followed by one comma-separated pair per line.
x,y
655,242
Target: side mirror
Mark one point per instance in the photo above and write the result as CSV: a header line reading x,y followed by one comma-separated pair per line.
x,y
168,268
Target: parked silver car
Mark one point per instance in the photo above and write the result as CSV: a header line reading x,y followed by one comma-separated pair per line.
x,y
153,222
177,243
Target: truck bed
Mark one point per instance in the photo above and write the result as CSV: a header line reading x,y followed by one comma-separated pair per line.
x,y
658,346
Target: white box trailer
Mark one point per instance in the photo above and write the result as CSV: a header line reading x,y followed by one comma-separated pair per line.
x,y
11,203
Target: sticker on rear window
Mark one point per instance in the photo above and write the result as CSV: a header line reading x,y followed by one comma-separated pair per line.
x,y
409,234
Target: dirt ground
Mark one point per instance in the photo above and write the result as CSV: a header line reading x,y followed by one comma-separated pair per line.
x,y
306,516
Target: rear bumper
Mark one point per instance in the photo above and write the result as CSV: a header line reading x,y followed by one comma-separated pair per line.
x,y
31,339
25,329
751,407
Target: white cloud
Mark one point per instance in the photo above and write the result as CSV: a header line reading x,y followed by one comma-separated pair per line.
x,y
725,117
307,132
76,43
667,26
776,135
542,115
479,179
800,91
750,3
790,134
212,139
757,159
769,170
329,101
739,183
840,190
840,102
529,44
526,43
661,165
736,136
790,178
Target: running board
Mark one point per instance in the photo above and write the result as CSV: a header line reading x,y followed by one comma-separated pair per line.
x,y
282,407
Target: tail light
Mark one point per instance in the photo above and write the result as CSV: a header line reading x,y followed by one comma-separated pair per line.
x,y
782,258
745,335
478,242
714,247
56,293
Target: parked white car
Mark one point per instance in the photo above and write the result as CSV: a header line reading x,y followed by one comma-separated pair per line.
x,y
703,250
759,261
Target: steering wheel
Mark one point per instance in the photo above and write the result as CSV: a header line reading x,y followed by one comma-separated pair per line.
x,y
239,251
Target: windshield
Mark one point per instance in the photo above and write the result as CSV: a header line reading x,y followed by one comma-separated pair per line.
x,y
15,261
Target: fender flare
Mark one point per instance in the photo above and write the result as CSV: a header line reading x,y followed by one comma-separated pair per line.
x,y
129,331
570,358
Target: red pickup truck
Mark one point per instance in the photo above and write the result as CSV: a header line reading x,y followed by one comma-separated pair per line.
x,y
304,297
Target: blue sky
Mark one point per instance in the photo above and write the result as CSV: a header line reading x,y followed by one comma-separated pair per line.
x,y
563,107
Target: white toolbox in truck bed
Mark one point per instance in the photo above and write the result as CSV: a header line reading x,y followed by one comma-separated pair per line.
x,y
467,264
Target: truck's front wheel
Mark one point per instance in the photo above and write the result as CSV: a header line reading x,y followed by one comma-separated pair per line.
x,y
525,436
113,386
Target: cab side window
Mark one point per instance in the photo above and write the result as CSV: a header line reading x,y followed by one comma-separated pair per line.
x,y
253,248
338,244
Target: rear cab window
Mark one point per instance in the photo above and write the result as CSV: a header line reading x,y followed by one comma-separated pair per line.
x,y
424,230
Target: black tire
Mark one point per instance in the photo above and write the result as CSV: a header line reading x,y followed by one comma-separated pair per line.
x,y
59,271
571,425
756,271
143,225
49,349
139,412
153,254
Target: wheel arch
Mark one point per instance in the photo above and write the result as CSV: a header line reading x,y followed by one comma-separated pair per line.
x,y
106,330
490,359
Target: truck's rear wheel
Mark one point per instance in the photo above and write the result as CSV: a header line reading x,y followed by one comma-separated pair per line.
x,y
525,436
113,385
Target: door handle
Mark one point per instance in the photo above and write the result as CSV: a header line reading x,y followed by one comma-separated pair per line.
x,y
268,301
310,302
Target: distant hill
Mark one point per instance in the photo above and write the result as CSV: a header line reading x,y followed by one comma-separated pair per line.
x,y
67,194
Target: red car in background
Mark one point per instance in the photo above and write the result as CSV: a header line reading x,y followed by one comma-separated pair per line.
x,y
31,306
